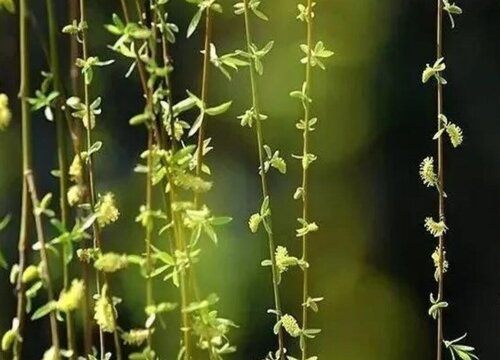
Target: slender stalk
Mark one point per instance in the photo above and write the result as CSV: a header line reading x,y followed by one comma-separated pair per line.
x,y
20,286
139,64
92,195
28,174
305,175
149,229
91,182
183,284
77,135
263,177
28,187
190,273
178,231
23,245
439,92
204,95
61,155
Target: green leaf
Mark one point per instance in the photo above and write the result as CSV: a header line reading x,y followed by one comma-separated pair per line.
x,y
220,109
197,124
221,220
184,105
438,134
94,148
44,310
14,273
5,221
194,23
3,261
139,119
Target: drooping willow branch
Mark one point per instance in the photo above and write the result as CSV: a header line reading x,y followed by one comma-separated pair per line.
x,y
28,174
62,158
90,110
204,94
29,188
305,175
314,55
258,117
439,92
23,244
431,179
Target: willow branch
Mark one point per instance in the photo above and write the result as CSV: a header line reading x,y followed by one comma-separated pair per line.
x,y
263,177
439,93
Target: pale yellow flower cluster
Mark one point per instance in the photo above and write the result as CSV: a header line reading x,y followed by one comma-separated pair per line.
x,y
106,210
5,114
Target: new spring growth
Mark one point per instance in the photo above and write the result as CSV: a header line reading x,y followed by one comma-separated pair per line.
x,y
304,12
30,274
260,217
284,261
45,98
11,335
306,227
226,61
70,299
253,5
5,113
434,71
203,5
437,261
76,168
318,53
136,337
290,325
427,173
436,229
274,160
75,195
52,354
111,262
80,111
104,311
464,352
106,210
436,306
451,9
249,117
454,131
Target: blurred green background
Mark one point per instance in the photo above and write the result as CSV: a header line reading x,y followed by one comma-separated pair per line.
x,y
371,258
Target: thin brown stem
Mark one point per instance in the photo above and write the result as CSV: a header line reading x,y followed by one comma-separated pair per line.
x,y
91,181
23,245
77,139
61,155
149,228
305,175
28,175
439,92
90,171
204,95
263,178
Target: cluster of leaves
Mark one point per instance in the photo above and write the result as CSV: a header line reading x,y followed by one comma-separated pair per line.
x,y
171,166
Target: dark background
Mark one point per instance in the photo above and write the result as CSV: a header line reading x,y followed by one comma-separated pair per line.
x,y
371,258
